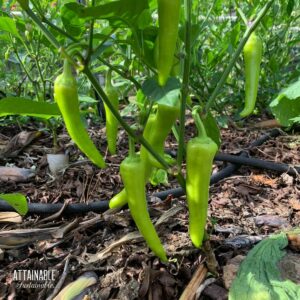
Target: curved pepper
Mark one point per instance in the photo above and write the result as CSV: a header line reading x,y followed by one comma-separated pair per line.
x,y
252,56
200,153
118,200
111,121
66,96
168,21
159,128
130,168
156,131
176,67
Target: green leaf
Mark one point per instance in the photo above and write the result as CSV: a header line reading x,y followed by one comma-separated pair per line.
x,y
212,129
25,107
295,120
17,201
5,37
159,176
286,107
86,99
144,19
8,24
290,7
72,23
293,42
117,12
140,98
259,276
234,36
168,94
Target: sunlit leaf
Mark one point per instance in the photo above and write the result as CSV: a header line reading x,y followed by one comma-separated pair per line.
x,y
25,107
17,201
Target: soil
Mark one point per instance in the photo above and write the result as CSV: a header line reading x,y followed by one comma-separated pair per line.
x,y
243,209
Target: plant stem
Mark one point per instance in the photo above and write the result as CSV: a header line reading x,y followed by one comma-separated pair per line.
x,y
59,30
41,76
242,15
185,81
199,123
131,147
46,32
208,14
129,130
121,73
99,90
235,56
34,82
91,37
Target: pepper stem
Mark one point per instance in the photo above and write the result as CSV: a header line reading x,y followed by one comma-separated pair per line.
x,y
108,79
199,123
131,146
67,70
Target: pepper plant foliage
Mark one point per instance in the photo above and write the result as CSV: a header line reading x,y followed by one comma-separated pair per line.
x,y
158,71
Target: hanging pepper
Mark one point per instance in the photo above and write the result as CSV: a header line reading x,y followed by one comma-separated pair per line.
x,y
252,56
176,67
156,131
118,200
199,158
131,170
66,96
168,21
111,121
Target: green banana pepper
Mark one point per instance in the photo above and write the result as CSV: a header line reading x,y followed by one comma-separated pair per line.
x,y
156,131
66,97
176,66
131,168
252,56
199,159
118,200
111,121
168,21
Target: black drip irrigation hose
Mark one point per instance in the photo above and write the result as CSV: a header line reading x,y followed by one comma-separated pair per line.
x,y
258,163
102,205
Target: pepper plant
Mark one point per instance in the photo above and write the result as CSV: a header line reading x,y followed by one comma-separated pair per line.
x,y
142,42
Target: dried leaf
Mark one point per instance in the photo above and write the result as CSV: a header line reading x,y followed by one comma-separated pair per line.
x,y
262,179
15,174
10,217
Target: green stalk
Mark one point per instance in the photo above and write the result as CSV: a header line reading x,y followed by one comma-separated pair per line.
x,y
121,73
199,123
45,31
128,129
91,38
131,143
185,81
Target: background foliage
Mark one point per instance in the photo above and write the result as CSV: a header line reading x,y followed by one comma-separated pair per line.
x,y
123,39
